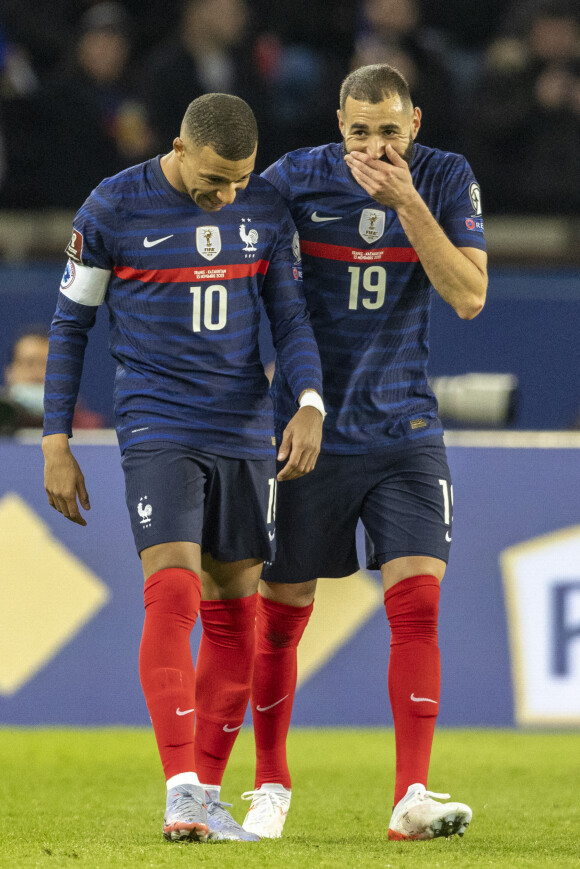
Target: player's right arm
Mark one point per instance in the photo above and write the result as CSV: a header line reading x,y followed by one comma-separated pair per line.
x,y
82,290
63,478
458,274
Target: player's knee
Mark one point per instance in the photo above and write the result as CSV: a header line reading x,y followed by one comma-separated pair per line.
x,y
414,600
426,603
279,639
280,626
294,595
173,590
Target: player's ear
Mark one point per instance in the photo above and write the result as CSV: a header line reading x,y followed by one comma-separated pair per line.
x,y
340,122
178,146
416,122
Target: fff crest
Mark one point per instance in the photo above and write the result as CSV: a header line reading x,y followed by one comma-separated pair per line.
x,y
372,224
208,241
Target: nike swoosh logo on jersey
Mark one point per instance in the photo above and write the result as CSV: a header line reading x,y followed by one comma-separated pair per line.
x,y
422,699
147,243
179,711
229,729
447,537
319,219
271,706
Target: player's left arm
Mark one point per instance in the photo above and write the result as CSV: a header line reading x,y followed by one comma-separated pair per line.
x,y
458,274
296,351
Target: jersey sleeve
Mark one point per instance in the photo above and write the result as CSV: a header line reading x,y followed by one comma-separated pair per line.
x,y
296,349
83,288
278,174
461,214
93,239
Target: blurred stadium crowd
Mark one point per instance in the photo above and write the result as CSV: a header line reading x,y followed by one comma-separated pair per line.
x,y
88,88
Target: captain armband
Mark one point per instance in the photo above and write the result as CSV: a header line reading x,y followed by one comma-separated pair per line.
x,y
83,284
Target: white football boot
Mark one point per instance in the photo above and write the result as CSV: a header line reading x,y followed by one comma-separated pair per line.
x,y
267,813
417,816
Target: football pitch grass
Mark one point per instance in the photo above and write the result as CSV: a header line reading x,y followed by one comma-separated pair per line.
x,y
95,798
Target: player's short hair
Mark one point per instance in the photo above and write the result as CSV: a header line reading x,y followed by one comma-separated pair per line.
x,y
224,122
373,84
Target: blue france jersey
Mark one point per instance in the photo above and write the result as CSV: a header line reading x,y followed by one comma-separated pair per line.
x,y
368,294
184,289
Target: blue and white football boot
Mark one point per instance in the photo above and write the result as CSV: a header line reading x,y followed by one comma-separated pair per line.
x,y
222,827
186,814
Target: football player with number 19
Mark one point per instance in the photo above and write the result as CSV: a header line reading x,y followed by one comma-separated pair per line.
x,y
185,249
383,221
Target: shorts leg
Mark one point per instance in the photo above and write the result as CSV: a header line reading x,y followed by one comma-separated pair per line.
x,y
240,510
409,510
316,519
165,492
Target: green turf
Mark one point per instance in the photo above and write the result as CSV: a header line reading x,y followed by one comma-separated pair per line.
x,y
95,798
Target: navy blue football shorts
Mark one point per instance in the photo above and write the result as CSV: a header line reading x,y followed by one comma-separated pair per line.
x,y
403,497
176,493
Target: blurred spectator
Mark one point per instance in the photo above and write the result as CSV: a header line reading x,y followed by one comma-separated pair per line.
x,y
208,52
19,156
24,377
2,154
462,34
298,102
525,131
47,30
153,22
258,52
301,52
109,79
391,32
21,401
42,30
91,106
324,26
469,27
517,15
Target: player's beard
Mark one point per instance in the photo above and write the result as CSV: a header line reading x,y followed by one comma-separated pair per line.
x,y
410,150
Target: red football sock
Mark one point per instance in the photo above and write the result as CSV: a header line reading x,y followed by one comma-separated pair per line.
x,y
224,678
279,628
166,667
414,675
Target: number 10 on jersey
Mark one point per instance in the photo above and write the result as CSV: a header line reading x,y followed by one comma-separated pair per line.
x,y
210,307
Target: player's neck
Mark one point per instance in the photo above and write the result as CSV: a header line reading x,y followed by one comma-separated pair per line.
x,y
170,169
